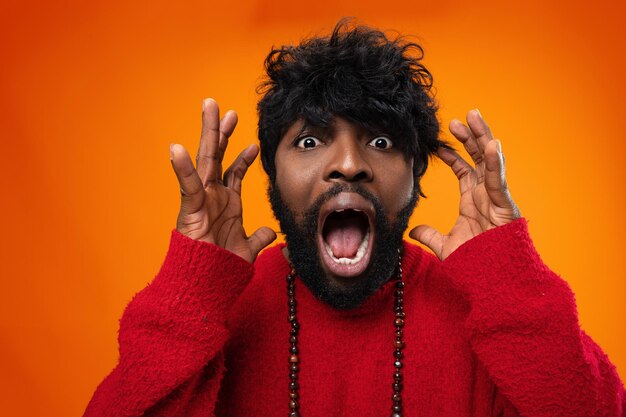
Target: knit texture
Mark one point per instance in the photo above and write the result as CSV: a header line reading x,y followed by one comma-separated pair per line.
x,y
490,331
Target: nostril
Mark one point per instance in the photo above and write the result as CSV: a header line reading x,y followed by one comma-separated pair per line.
x,y
359,176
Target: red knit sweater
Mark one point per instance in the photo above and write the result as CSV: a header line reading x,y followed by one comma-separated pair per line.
x,y
490,331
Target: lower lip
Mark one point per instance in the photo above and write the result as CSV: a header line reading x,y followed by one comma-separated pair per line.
x,y
343,270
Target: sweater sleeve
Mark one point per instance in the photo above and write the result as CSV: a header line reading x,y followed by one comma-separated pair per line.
x,y
172,334
523,326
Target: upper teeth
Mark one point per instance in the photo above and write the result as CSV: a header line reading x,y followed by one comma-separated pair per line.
x,y
359,253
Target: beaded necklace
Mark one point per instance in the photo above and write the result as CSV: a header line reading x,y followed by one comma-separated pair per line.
x,y
294,359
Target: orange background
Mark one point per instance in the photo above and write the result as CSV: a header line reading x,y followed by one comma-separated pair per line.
x,y
92,94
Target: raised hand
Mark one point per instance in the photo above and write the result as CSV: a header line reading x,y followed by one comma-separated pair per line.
x,y
210,208
485,199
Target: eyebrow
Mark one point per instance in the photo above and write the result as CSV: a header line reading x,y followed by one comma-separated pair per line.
x,y
373,130
309,127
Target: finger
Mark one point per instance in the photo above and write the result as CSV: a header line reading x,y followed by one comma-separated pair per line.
x,y
227,126
459,166
235,173
207,160
429,237
191,188
464,172
260,239
465,136
495,178
479,129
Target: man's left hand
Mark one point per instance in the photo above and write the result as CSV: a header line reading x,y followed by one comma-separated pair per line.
x,y
485,199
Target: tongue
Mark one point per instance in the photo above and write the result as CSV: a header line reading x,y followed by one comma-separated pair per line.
x,y
344,240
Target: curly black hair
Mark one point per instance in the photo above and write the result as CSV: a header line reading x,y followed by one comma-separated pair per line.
x,y
359,74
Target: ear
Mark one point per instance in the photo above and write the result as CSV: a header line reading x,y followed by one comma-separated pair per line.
x,y
418,172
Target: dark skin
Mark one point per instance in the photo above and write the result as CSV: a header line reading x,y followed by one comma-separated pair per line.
x,y
310,162
485,201
344,152
211,209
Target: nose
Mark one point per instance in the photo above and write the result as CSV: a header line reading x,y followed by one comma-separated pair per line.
x,y
347,161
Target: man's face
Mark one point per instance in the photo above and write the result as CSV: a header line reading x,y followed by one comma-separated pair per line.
x,y
343,196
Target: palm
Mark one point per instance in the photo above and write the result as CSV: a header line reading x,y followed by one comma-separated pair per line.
x,y
218,215
485,200
211,209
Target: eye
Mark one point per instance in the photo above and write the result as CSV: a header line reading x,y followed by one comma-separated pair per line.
x,y
381,142
308,142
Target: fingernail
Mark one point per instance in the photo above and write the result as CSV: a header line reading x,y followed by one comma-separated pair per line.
x,y
499,146
171,152
478,112
204,103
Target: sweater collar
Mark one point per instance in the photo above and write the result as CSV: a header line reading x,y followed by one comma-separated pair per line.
x,y
414,263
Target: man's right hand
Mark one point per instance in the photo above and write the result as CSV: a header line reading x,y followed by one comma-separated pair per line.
x,y
210,208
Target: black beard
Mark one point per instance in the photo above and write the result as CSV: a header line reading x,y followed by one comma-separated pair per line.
x,y
305,257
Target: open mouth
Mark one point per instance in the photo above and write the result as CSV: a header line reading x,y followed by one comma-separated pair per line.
x,y
346,235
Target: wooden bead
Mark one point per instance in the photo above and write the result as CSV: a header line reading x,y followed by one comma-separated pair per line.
x,y
293,339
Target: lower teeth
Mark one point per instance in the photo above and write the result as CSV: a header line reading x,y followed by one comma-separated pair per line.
x,y
359,253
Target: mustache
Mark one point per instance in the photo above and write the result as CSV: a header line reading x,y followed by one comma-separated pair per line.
x,y
311,215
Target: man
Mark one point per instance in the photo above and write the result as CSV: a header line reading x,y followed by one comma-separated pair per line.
x,y
347,319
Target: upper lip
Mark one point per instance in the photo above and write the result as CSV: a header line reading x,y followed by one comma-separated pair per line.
x,y
347,201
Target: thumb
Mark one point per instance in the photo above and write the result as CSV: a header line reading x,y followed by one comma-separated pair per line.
x,y
429,237
262,237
